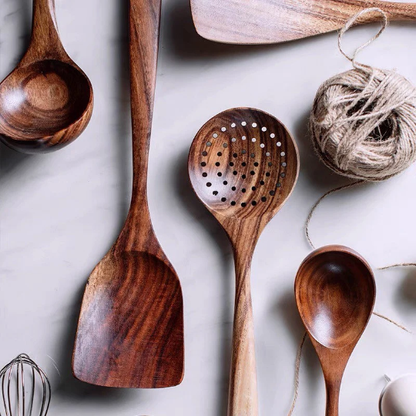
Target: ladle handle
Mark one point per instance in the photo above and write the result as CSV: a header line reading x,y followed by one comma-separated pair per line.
x,y
45,42
243,380
144,46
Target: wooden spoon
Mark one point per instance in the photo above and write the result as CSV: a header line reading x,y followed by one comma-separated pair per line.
x,y
335,294
47,101
130,330
274,21
243,165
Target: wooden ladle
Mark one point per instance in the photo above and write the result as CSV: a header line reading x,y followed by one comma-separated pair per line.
x,y
243,165
335,294
47,101
130,330
274,21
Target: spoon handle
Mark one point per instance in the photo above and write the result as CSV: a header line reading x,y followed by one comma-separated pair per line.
x,y
243,380
332,397
144,44
45,42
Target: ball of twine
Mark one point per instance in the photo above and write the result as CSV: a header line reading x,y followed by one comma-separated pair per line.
x,y
363,121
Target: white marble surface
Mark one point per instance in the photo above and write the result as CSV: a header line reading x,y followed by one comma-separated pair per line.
x,y
60,213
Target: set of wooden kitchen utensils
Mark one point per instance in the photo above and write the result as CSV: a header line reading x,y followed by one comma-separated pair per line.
x,y
243,165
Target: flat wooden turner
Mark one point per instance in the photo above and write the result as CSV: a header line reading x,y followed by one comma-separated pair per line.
x,y
274,21
130,330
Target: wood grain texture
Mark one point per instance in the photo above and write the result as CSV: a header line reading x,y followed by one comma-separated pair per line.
x,y
265,21
47,101
243,165
130,331
335,295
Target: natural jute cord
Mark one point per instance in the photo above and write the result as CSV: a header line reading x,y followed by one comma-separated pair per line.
x,y
363,121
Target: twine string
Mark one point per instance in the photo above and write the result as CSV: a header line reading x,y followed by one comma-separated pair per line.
x,y
379,315
350,24
297,372
397,265
363,123
312,211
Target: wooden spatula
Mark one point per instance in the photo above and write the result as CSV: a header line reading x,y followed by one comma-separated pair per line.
x,y
274,21
130,331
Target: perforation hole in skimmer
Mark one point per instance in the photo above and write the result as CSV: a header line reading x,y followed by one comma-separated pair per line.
x,y
254,169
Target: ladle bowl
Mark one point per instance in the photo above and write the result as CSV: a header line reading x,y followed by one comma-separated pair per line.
x,y
47,101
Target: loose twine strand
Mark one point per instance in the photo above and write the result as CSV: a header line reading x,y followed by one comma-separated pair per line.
x,y
312,211
381,111
351,23
397,265
297,373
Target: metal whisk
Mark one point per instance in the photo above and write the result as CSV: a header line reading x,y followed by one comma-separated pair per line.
x,y
24,388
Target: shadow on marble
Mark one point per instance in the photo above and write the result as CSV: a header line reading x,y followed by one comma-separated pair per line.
x,y
312,169
315,174
213,229
286,310
67,386
182,39
24,23
405,298
122,130
11,161
184,42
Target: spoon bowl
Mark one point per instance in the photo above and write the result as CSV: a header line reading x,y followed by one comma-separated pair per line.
x,y
243,165
47,101
335,295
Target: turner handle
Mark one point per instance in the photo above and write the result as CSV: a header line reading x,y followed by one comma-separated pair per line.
x,y
45,42
394,11
144,44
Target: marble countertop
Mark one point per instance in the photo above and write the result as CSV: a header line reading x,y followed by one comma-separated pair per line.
x,y
61,212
